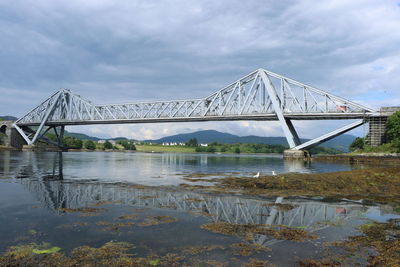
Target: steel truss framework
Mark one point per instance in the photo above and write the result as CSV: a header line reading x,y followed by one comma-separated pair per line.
x,y
260,95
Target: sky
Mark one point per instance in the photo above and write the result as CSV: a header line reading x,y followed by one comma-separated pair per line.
x,y
126,51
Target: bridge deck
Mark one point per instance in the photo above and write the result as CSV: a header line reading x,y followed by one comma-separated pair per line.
x,y
258,117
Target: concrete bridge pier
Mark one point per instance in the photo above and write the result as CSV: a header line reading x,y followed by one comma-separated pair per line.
x,y
296,154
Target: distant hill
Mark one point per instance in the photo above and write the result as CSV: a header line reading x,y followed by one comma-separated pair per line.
x,y
208,136
81,136
88,137
8,118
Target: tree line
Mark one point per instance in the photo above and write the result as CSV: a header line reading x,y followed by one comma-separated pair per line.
x,y
75,143
256,148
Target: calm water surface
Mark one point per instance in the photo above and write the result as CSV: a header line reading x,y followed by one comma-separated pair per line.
x,y
37,188
153,168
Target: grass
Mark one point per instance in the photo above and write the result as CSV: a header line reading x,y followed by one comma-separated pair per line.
x,y
160,148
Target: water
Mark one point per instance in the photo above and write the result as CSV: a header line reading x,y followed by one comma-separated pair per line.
x,y
154,168
38,189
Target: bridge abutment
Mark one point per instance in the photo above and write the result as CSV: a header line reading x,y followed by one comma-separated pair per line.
x,y
377,126
9,136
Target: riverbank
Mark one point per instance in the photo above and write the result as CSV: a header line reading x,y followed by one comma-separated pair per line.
x,y
7,148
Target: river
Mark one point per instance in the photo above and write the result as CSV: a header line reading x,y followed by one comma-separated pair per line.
x,y
91,198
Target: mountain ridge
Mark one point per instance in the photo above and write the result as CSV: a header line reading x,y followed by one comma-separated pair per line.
x,y
208,136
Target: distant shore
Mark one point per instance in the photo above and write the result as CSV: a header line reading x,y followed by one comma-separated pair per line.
x,y
353,158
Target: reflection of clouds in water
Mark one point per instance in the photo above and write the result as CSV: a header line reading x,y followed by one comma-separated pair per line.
x,y
231,209
43,175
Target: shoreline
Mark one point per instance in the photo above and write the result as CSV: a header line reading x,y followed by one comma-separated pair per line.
x,y
351,158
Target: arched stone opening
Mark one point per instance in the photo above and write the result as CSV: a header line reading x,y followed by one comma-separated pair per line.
x,y
3,129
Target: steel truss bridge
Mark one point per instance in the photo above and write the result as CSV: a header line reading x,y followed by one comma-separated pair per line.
x,y
261,95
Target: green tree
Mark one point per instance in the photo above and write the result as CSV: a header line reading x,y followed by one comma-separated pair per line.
x,y
108,145
237,150
72,142
211,149
192,142
128,145
358,143
89,144
393,127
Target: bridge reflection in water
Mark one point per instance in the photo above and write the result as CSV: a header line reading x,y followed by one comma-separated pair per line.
x,y
45,180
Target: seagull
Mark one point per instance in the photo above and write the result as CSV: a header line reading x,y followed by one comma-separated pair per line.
x,y
273,173
257,175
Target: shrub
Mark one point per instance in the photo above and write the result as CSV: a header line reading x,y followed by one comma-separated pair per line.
x,y
72,142
393,127
358,143
128,145
89,144
211,149
108,145
200,149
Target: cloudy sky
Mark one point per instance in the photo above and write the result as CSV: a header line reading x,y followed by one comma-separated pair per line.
x,y
118,51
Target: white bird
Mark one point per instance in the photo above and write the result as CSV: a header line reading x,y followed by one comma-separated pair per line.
x,y
273,173
257,175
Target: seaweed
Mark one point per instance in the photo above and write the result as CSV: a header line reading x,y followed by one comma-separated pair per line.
x,y
257,263
194,250
156,220
128,217
114,226
246,231
84,212
246,249
110,254
378,244
374,185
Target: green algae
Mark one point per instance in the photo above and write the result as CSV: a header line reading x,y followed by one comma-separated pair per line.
x,y
46,251
32,232
154,262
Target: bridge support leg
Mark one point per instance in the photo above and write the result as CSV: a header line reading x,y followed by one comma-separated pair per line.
x,y
60,136
293,132
286,124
